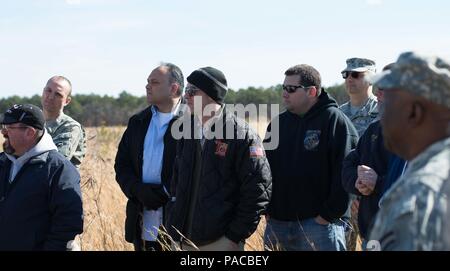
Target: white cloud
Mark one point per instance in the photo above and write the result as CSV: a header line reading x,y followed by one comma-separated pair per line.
x,y
374,2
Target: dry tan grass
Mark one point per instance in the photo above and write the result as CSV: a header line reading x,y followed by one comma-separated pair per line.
x,y
103,201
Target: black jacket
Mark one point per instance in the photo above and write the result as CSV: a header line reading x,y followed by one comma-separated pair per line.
x,y
222,189
42,208
371,152
128,167
306,166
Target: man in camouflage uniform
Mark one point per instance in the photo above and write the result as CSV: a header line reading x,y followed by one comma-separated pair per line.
x,y
68,135
415,122
362,107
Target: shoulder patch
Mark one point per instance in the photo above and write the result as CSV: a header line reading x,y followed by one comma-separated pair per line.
x,y
256,151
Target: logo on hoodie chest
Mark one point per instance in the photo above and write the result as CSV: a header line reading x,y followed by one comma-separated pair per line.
x,y
312,139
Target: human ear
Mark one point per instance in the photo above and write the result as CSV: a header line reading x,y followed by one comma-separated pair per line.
x,y
417,113
68,100
312,92
174,87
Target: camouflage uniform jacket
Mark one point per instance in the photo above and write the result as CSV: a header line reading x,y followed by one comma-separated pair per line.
x,y
364,116
69,137
412,212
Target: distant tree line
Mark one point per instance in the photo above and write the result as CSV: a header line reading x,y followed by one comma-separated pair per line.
x,y
97,110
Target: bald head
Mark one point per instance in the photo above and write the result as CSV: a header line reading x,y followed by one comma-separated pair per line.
x,y
55,96
63,81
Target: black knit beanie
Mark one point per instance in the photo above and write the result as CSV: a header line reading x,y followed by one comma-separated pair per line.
x,y
211,81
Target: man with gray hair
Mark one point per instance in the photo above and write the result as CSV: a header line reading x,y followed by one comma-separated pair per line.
x,y
361,109
145,158
415,123
68,134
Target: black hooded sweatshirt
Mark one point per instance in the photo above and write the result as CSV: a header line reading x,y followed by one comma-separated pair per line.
x,y
306,166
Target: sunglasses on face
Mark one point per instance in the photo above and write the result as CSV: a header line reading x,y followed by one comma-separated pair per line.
x,y
354,75
292,89
191,90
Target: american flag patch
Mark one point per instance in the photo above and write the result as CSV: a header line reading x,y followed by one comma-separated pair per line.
x,y
256,151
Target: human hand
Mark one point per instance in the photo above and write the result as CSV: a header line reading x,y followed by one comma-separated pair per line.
x,y
367,178
151,196
362,187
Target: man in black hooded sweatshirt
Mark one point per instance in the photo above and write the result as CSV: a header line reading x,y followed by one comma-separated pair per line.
x,y
308,199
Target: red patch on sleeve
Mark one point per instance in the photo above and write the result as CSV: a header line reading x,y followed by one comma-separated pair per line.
x,y
221,148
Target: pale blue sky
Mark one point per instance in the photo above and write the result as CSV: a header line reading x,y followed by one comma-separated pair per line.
x,y
106,46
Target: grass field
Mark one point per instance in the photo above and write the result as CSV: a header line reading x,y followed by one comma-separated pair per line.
x,y
104,202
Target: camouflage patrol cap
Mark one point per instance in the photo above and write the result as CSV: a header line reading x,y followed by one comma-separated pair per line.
x,y
426,76
360,65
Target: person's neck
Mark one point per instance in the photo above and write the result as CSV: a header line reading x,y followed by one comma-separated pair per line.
x,y
360,99
421,145
216,111
168,107
27,147
305,110
49,116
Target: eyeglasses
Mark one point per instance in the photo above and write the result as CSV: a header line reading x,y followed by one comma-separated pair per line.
x,y
292,89
9,127
354,75
191,90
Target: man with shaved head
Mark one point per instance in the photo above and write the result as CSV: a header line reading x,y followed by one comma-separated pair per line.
x,y
68,135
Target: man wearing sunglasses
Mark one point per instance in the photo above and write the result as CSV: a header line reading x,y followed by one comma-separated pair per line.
x,y
40,195
221,176
145,157
361,109
368,171
308,199
415,123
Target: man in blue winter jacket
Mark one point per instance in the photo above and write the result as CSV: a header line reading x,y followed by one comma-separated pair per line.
x,y
40,195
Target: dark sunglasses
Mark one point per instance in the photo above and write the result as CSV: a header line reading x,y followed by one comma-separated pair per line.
x,y
191,90
354,75
292,89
